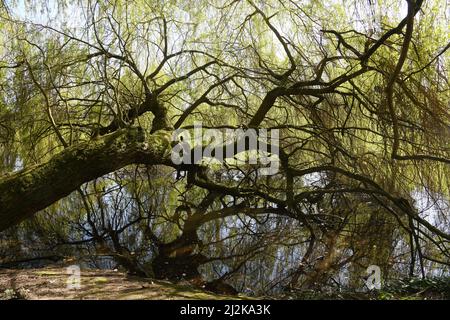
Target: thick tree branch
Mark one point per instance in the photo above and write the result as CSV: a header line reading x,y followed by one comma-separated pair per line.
x,y
26,192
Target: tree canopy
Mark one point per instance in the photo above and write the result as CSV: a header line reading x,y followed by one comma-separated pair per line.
x,y
92,92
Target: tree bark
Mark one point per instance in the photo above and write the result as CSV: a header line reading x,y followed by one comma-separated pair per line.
x,y
26,192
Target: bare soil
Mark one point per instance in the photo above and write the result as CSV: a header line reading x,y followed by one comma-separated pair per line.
x,y
51,284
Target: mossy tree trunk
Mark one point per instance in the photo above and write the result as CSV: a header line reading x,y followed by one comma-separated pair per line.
x,y
26,192
177,260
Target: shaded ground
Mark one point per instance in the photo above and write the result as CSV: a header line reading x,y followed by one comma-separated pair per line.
x,y
51,283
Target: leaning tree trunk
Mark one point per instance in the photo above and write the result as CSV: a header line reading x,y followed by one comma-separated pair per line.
x,y
26,192
176,260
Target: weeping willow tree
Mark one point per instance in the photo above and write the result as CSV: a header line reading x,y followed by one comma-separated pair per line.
x,y
92,93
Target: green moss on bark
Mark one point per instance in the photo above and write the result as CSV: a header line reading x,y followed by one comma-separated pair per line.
x,y
24,193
